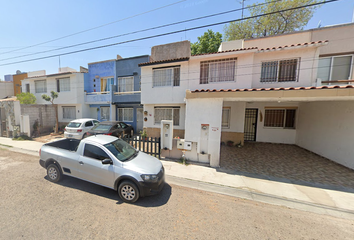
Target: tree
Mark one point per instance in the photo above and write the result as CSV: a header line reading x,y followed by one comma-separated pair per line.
x,y
207,43
26,98
53,96
272,24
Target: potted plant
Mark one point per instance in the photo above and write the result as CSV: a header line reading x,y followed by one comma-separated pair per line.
x,y
143,135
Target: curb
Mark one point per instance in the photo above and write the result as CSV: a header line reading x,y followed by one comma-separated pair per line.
x,y
261,197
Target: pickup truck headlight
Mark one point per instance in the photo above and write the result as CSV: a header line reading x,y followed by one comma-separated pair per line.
x,y
149,177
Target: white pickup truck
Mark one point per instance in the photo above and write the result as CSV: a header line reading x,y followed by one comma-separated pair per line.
x,y
107,161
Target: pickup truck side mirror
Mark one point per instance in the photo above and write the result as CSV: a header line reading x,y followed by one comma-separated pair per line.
x,y
107,161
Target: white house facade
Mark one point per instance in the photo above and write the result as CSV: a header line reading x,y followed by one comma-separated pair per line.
x,y
70,88
293,89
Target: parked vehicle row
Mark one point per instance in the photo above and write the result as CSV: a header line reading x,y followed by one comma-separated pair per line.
x,y
81,128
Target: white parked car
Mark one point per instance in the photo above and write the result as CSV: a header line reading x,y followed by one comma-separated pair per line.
x,y
79,127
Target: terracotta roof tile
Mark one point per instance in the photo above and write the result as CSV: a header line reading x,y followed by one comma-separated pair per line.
x,y
227,51
273,89
164,61
293,45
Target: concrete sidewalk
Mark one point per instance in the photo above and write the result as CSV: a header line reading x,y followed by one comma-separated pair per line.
x,y
313,199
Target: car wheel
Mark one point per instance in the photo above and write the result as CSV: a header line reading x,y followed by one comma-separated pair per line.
x,y
53,173
128,192
84,136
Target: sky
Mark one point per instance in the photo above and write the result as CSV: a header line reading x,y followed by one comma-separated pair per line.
x,y
29,27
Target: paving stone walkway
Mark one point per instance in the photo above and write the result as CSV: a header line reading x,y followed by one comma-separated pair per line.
x,y
286,162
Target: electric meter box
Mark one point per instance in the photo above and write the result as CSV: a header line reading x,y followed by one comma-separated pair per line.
x,y
180,144
166,134
187,145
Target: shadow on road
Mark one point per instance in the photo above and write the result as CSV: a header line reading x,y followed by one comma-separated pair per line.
x,y
150,201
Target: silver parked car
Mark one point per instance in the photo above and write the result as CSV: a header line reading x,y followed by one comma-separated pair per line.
x,y
78,128
107,161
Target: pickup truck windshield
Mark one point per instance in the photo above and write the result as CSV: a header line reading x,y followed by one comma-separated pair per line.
x,y
121,150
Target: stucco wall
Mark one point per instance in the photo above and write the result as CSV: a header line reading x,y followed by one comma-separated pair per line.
x,y
273,135
204,111
45,114
17,82
150,123
6,89
326,128
171,51
98,70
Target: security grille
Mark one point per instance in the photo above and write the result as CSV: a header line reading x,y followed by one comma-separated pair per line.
x,y
250,124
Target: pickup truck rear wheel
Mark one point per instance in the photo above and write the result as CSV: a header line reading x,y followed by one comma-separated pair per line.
x,y
128,192
53,173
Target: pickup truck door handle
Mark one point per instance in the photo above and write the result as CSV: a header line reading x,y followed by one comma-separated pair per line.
x,y
81,162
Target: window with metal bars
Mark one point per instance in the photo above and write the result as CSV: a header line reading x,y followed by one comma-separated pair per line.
x,y
63,85
221,70
125,114
280,118
280,71
40,86
169,76
225,122
69,112
126,84
165,113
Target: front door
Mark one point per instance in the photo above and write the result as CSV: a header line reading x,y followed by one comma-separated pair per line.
x,y
250,124
139,120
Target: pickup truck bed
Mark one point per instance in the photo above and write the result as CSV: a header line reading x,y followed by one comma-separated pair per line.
x,y
67,144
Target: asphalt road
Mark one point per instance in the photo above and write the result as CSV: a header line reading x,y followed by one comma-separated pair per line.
x,y
31,207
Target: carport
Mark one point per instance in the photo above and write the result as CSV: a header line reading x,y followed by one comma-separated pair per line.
x,y
285,162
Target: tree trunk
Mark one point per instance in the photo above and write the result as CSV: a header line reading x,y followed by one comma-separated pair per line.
x,y
56,118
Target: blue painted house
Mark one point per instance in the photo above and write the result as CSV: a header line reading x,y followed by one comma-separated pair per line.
x,y
113,90
98,88
127,96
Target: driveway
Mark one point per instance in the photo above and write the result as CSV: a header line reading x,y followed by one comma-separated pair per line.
x,y
285,162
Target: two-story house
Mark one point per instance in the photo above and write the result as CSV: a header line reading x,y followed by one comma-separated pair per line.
x,y
69,84
113,90
280,89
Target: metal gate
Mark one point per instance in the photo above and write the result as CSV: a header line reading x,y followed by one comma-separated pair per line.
x,y
250,124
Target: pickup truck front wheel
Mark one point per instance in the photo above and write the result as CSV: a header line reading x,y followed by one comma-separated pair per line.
x,y
128,192
53,173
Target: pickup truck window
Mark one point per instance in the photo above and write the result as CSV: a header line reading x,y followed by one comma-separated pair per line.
x,y
121,150
92,151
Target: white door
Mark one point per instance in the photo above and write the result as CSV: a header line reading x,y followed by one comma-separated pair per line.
x,y
139,120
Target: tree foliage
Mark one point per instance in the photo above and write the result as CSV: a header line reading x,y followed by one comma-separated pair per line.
x,y
207,43
26,98
272,24
53,95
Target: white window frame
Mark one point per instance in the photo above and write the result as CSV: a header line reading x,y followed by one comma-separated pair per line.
x,y
227,121
63,84
276,80
164,82
64,112
43,88
123,86
124,116
172,117
331,67
108,112
284,116
219,78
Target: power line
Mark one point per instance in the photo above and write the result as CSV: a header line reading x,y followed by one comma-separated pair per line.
x,y
169,33
90,29
139,31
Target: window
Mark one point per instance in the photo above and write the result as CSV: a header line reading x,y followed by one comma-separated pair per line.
x,y
223,70
166,76
89,124
280,118
225,122
40,86
126,84
280,71
63,85
125,114
164,113
335,68
106,84
105,113
94,152
69,112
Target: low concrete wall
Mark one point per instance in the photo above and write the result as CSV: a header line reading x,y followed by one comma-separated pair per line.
x,y
44,113
156,132
236,137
